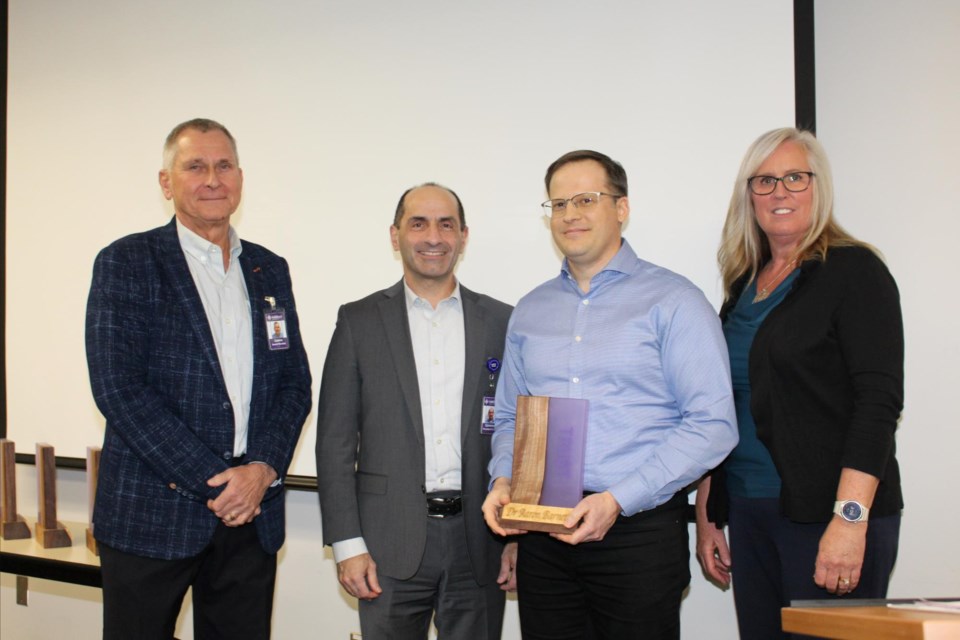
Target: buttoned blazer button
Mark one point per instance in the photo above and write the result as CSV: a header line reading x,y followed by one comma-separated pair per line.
x,y
172,485
227,455
226,405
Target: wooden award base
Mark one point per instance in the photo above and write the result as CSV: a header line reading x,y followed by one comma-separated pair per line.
x,y
92,542
15,529
53,538
535,517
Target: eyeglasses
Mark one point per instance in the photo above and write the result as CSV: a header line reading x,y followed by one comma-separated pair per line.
x,y
765,185
581,201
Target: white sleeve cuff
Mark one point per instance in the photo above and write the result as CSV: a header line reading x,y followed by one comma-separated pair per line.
x,y
346,549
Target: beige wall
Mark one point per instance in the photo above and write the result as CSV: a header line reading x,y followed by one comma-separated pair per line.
x,y
888,96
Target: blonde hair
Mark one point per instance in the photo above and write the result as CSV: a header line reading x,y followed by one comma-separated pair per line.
x,y
744,248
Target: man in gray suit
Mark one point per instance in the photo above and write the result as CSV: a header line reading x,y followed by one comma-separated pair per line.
x,y
403,439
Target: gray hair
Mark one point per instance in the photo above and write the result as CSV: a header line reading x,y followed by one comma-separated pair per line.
x,y
202,125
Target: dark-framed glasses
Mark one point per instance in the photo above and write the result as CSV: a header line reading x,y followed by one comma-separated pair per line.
x,y
581,201
796,181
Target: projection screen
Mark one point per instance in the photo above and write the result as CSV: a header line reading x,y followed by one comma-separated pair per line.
x,y
337,109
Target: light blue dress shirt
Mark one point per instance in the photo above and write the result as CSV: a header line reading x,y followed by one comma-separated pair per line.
x,y
645,348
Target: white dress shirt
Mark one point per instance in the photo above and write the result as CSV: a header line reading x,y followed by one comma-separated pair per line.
x,y
439,349
227,306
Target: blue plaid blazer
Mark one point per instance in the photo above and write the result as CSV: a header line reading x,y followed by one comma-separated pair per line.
x,y
169,421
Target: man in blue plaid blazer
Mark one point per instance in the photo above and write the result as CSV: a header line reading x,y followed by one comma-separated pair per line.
x,y
203,406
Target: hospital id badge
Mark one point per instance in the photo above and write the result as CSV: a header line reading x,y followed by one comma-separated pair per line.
x,y
486,419
276,320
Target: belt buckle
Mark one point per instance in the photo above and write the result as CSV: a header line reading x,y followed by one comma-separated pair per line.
x,y
440,507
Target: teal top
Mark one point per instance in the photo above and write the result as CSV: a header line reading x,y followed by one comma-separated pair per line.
x,y
750,470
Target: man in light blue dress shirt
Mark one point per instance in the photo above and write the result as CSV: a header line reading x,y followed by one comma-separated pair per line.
x,y
645,348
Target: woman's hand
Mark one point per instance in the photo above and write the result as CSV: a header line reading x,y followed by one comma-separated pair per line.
x,y
840,557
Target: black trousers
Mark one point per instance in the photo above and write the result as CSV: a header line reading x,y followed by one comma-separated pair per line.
x,y
626,586
232,582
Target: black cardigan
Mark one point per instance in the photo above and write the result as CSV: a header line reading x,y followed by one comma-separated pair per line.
x,y
826,377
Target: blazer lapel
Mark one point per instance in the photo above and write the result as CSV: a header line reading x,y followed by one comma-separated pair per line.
x,y
253,279
393,313
174,264
474,338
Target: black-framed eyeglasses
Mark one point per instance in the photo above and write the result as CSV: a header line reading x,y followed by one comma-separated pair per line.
x,y
581,201
796,181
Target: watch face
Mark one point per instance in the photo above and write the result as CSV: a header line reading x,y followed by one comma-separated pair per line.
x,y
852,511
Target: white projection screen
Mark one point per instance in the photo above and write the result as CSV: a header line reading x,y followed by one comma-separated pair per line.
x,y
337,108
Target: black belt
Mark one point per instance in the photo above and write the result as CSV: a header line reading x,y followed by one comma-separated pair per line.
x,y
443,504
678,501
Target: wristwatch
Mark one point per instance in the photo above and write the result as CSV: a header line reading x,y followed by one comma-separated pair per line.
x,y
851,510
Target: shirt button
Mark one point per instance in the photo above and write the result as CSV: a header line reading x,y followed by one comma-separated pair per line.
x,y
439,440
436,361
436,402
227,320
576,380
586,302
436,324
578,338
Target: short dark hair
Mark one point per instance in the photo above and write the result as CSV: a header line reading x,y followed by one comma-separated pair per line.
x,y
616,175
202,125
398,216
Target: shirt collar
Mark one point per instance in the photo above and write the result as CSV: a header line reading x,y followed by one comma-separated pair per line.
x,y
199,247
624,261
414,301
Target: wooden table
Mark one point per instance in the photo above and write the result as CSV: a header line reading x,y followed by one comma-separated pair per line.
x,y
871,623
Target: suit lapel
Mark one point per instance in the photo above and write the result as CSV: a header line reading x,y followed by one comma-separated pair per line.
x,y
393,314
253,279
174,265
474,335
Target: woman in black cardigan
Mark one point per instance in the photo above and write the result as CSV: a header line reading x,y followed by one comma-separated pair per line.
x,y
813,325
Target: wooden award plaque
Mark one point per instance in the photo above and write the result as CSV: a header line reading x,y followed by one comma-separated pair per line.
x,y
548,457
12,524
93,472
49,533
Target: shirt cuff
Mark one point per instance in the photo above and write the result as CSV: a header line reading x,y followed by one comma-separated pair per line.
x,y
275,483
500,469
346,549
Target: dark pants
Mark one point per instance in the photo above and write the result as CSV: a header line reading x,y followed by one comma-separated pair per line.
x,y
628,585
444,589
232,582
774,558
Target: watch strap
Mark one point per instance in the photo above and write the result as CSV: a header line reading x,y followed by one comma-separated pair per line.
x,y
840,504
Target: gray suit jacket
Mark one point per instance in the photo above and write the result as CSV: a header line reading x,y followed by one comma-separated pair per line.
x,y
370,444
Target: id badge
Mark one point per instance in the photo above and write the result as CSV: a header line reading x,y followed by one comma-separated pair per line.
x,y
486,420
276,320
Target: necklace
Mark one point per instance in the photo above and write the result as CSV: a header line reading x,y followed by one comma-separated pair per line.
x,y
764,292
